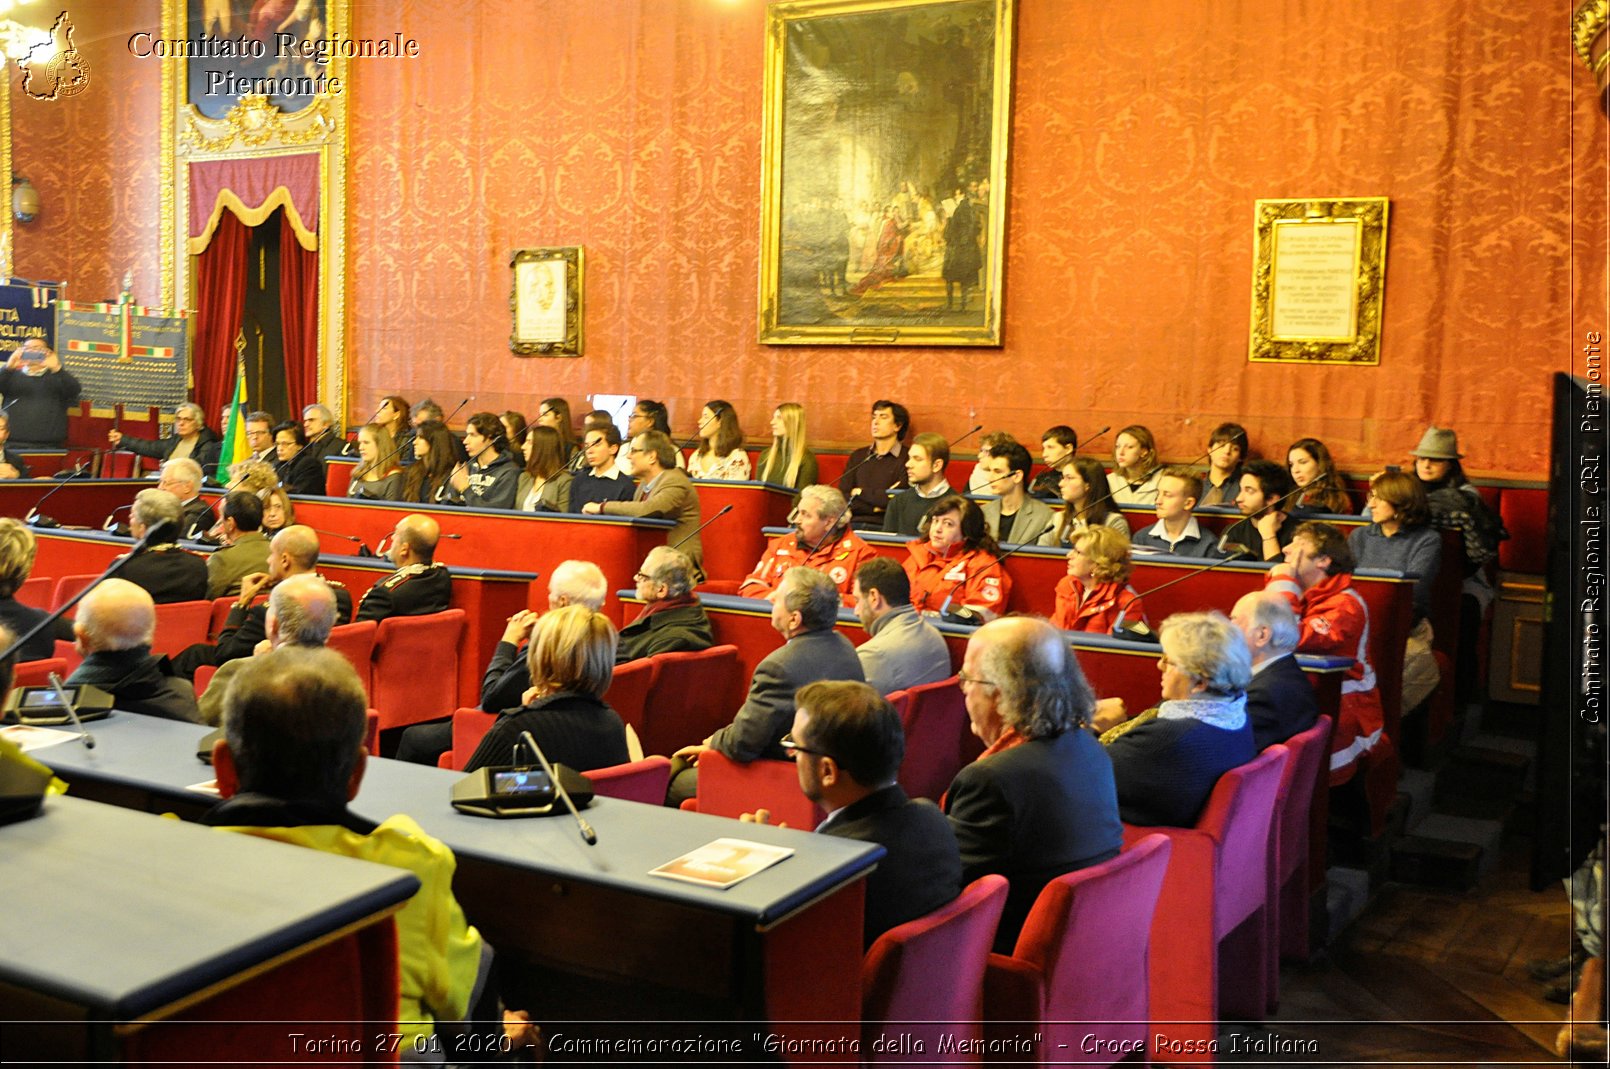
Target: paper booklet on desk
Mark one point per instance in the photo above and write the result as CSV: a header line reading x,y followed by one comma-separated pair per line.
x,y
722,863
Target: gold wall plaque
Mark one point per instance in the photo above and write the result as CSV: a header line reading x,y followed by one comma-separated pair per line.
x,y
545,297
1318,270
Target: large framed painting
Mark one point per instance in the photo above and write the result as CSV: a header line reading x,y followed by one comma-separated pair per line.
x,y
883,183
271,49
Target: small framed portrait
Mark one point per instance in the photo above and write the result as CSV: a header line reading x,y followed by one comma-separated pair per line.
x,y
546,300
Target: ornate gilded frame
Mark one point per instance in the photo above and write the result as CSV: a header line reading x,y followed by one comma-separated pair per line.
x,y
1320,302
535,288
794,306
256,128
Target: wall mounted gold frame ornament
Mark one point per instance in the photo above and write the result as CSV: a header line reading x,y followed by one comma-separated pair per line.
x,y
1318,280
255,127
546,289
884,144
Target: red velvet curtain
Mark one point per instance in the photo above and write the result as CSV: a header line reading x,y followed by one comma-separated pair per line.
x,y
220,296
299,318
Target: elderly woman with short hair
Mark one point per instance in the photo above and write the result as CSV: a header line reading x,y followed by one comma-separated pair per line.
x,y
572,661
1096,592
1166,761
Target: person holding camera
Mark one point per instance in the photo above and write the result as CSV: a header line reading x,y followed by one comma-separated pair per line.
x,y
38,393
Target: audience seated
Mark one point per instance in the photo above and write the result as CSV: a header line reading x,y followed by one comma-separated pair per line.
x,y
874,471
1313,472
787,461
491,476
1266,526
1057,447
647,416
1096,591
419,586
115,626
1176,531
803,612
571,659
977,482
1227,451
554,413
822,539
279,512
300,471
301,611
848,744
324,438
1280,700
435,457
671,620
953,566
191,439
904,649
378,475
17,551
1133,480
1317,582
600,479
1086,502
514,429
1012,515
183,478
720,453
926,460
1400,538
167,571
507,677
12,464
395,414
1166,761
244,549
546,483
662,491
1039,802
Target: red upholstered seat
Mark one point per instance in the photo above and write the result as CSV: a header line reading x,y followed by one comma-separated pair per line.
x,y
415,674
636,781
1303,781
35,593
730,789
181,624
37,673
337,478
1079,970
68,652
1210,924
356,642
629,690
371,735
923,981
469,727
68,586
692,697
203,678
939,742
718,586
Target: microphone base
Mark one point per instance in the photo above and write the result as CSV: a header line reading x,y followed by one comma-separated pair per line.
x,y
43,522
1137,633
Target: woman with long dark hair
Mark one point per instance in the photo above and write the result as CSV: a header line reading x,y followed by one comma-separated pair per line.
x,y
1086,502
952,566
545,484
720,453
1319,484
426,481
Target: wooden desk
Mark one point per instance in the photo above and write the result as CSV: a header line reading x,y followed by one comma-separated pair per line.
x,y
132,920
81,502
534,888
733,544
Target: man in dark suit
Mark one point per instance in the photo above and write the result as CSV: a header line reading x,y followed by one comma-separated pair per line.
x,y
1280,700
166,571
419,586
1040,801
848,744
116,622
804,611
662,491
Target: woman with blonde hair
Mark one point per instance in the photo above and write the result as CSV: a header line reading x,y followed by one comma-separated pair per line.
x,y
1086,502
787,462
377,476
720,454
17,552
1096,590
1320,487
1136,468
572,661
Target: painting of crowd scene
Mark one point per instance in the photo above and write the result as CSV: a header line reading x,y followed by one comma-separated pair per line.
x,y
891,151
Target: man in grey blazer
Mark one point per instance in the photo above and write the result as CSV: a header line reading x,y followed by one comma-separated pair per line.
x,y
905,650
1012,516
662,491
803,612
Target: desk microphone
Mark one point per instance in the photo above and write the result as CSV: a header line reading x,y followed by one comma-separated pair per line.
x,y
33,518
363,550
964,615
1141,631
110,524
72,714
67,606
695,532
588,836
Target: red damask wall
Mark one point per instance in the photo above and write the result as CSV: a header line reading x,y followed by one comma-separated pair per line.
x,y
93,158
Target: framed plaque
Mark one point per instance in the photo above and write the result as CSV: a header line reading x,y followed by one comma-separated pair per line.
x,y
546,299
1317,281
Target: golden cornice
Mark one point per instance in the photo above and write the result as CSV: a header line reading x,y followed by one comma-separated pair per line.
x,y
256,123
1587,26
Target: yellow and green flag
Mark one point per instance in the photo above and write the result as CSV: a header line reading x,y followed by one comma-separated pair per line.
x,y
235,448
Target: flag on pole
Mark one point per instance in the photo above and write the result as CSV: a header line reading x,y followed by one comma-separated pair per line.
x,y
235,448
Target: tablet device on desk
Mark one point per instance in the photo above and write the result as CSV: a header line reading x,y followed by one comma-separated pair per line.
x,y
42,706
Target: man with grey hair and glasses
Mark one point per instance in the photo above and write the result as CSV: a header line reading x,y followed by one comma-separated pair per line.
x,y
1280,700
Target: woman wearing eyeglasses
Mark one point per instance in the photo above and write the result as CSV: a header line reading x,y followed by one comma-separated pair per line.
x,y
1096,591
1166,761
953,566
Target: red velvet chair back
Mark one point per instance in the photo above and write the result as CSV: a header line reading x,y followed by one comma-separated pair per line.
x,y
730,789
69,585
37,673
203,678
337,479
68,652
371,734
181,624
1239,814
35,593
416,667
636,781
1305,775
220,614
469,728
691,698
629,690
356,642
939,742
925,978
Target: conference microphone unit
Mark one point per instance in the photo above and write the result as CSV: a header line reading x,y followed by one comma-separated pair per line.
x,y
695,532
33,517
964,615
525,790
363,550
1141,631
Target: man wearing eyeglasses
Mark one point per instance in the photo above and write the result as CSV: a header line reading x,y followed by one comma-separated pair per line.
x,y
662,491
822,539
601,480
847,743
1040,801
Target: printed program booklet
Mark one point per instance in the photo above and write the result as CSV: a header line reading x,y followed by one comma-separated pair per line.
x,y
722,863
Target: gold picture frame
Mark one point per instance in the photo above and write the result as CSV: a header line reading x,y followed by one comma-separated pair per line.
x,y
1318,280
885,130
546,301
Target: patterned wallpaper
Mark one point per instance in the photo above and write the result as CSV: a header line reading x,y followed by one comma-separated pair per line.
x,y
93,159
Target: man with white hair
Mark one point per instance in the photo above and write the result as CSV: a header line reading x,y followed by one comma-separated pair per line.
x,y
301,612
191,438
183,479
821,539
116,622
1280,700
318,423
164,569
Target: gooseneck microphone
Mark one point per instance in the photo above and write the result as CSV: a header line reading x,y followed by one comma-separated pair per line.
x,y
33,518
363,549
72,712
964,615
695,532
63,609
588,836
1142,632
